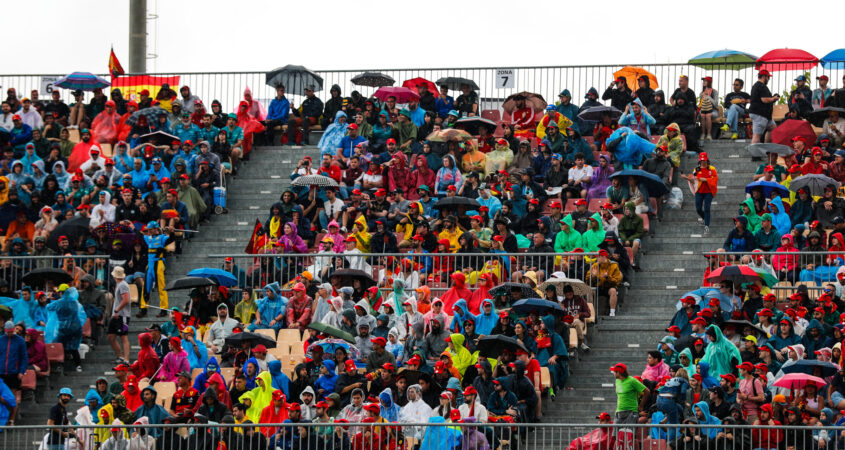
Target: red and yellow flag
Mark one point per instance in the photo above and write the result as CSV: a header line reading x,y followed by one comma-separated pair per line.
x,y
132,85
115,69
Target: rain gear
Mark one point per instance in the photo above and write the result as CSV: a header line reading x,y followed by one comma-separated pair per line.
x,y
456,292
147,363
89,397
362,235
367,318
779,342
251,382
407,320
568,241
421,175
211,367
154,414
9,398
309,408
175,361
691,367
338,238
389,410
790,263
324,382
460,314
560,370
396,299
415,411
271,306
64,320
261,397
461,357
245,310
440,437
199,356
291,242
780,219
485,322
448,177
720,354
707,420
279,379
811,344
591,239
752,217
630,149
330,141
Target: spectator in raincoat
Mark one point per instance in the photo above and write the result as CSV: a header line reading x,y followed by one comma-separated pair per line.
x,y
258,398
461,356
440,437
637,119
271,309
279,379
721,354
290,242
702,414
147,363
104,126
448,175
552,353
780,219
65,319
486,320
211,367
150,409
629,148
175,362
330,141
195,349
671,139
563,123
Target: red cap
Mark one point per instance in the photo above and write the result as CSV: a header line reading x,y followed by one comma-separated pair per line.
x,y
350,365
455,415
184,176
770,297
607,206
451,187
372,407
703,156
580,202
764,72
121,368
381,192
765,368
603,252
470,391
356,191
699,342
688,300
294,407
714,302
817,151
706,312
321,404
415,360
554,204
16,117
533,201
502,141
603,416
379,341
746,366
769,168
503,314
278,395
388,367
260,348
730,378
795,169
351,238
352,126
499,238
299,287
619,368
391,141
673,329
765,312
707,79
83,206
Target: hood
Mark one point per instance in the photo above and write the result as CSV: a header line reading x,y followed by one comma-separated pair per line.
x,y
704,409
210,393
568,221
274,287
309,390
151,389
211,367
145,339
788,237
637,100
547,223
334,223
461,306
364,305
549,321
277,205
362,221
266,378
217,379
336,88
253,361
749,202
460,280
349,315
519,368
814,323
386,397
493,311
398,290
293,228
704,368
415,387
90,279
457,339
779,203
743,220
40,165
93,395
413,302
330,365
274,367
452,159
593,91
662,96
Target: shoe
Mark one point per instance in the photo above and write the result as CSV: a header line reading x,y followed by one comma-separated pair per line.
x,y
162,313
612,314
708,138
142,313
706,229
734,136
700,220
118,361
725,127
637,268
584,347
79,368
626,284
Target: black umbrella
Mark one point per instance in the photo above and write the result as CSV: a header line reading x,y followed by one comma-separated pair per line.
x,y
760,150
40,277
595,113
314,180
159,138
73,229
809,366
492,346
815,183
295,79
505,289
348,275
819,116
332,331
150,113
740,325
373,79
471,124
189,283
456,201
454,83
653,184
254,339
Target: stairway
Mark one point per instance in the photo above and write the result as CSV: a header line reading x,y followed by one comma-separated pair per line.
x,y
672,265
259,184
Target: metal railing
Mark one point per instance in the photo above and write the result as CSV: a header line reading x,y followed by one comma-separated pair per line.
x,y
791,269
547,81
429,436
13,268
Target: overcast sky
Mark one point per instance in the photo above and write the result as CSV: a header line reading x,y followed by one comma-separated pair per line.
x,y
52,36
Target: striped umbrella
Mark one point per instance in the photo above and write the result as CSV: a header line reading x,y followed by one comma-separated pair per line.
x,y
84,81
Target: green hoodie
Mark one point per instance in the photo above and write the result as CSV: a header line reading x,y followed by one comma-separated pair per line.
x,y
753,218
592,239
566,242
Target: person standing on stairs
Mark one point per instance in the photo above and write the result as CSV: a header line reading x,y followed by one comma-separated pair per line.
x,y
118,326
704,182
156,243
631,395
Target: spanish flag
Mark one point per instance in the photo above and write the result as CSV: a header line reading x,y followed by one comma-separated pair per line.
x,y
115,69
132,85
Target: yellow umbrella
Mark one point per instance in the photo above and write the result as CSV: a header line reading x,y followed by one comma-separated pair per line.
x,y
632,73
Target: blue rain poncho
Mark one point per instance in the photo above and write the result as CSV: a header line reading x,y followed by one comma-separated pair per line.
x,y
484,323
631,150
65,318
330,141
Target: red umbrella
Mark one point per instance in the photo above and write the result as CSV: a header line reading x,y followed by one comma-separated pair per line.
x,y
787,59
798,381
738,274
790,128
414,82
402,94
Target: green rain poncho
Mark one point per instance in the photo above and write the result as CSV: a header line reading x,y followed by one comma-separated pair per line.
x,y
690,368
261,397
721,354
566,242
753,218
591,239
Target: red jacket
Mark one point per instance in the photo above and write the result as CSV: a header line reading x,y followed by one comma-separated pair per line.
x,y
270,415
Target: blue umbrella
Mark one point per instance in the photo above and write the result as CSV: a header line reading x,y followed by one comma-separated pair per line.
x,y
768,187
542,307
222,277
84,81
698,295
834,60
808,366
653,184
331,345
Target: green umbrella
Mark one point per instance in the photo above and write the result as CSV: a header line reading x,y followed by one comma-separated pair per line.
x,y
767,277
724,60
332,331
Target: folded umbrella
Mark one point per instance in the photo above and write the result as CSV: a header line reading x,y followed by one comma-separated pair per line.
x,y
768,187
295,79
220,276
762,149
652,182
455,83
815,183
493,345
541,306
373,79
84,81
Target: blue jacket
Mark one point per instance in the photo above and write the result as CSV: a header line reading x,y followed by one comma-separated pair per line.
x,y
13,357
192,133
279,109
270,308
708,420
444,105
155,413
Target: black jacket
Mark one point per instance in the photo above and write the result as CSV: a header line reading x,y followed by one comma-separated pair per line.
x,y
619,98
